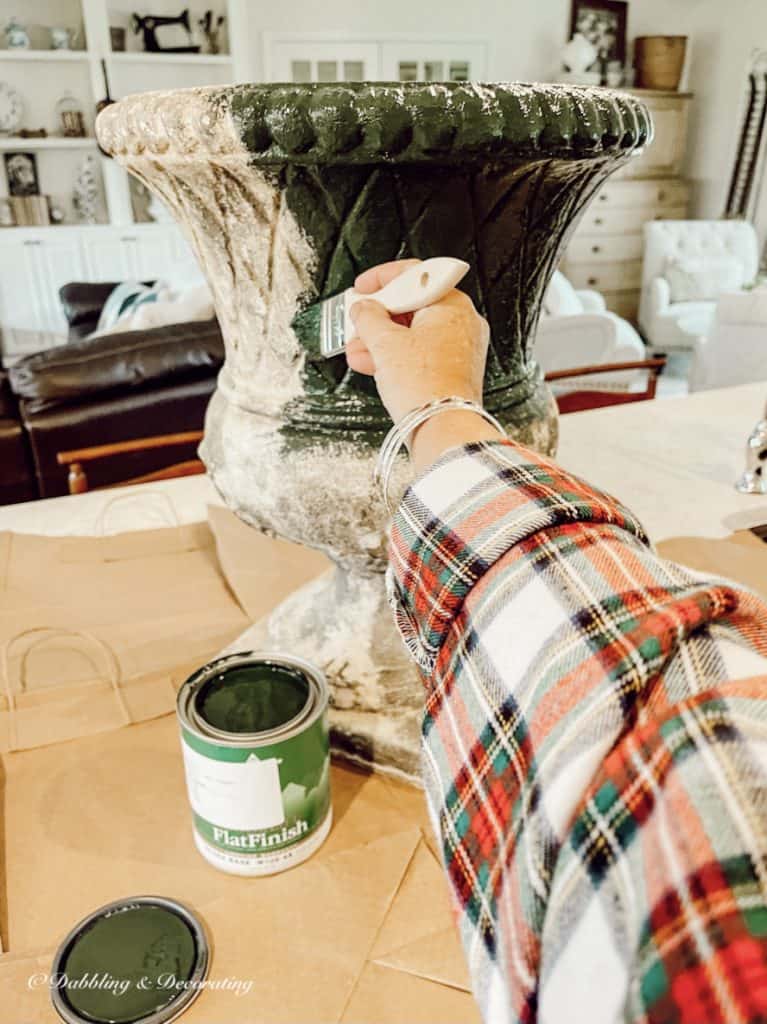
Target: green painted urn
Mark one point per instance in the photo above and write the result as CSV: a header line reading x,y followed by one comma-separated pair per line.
x,y
287,192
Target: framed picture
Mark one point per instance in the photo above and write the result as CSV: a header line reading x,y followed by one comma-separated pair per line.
x,y
603,23
21,172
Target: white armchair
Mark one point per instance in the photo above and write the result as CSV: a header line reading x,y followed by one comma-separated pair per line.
x,y
687,265
576,329
735,350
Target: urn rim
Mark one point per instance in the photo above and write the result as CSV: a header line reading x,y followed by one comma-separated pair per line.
x,y
369,122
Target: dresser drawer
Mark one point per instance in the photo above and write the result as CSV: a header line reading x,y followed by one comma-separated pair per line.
x,y
647,192
624,220
611,247
604,277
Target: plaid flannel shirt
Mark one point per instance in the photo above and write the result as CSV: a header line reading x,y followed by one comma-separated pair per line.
x,y
594,748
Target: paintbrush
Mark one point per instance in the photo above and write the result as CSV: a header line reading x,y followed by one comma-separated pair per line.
x,y
419,286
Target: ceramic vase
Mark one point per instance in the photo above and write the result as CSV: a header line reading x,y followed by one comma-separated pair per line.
x,y
286,192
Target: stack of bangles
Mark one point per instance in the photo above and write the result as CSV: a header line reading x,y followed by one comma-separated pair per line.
x,y
401,432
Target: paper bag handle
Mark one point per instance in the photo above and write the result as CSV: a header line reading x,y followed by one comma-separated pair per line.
x,y
48,633
98,526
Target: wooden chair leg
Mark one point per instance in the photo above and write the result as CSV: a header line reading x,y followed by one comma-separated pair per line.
x,y
77,479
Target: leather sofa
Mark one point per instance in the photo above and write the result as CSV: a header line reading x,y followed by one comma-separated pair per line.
x,y
119,387
17,478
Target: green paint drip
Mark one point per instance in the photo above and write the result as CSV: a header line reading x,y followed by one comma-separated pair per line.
x,y
143,955
253,698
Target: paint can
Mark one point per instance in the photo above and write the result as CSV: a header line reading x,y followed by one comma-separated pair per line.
x,y
254,735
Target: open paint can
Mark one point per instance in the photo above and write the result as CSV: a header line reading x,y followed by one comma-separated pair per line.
x,y
140,960
254,735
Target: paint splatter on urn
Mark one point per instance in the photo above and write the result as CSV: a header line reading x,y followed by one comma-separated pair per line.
x,y
286,192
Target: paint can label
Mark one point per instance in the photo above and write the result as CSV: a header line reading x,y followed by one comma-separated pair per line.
x,y
254,737
249,802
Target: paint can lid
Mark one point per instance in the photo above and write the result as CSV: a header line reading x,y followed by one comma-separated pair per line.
x,y
140,960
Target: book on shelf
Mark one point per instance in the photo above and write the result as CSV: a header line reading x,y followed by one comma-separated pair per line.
x,y
31,211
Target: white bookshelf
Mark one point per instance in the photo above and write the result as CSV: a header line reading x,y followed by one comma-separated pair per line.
x,y
199,59
79,72
14,142
42,56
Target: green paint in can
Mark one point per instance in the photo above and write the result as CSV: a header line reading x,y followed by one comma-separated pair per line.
x,y
254,734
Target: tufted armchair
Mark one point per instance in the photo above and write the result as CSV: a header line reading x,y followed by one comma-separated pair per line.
x,y
688,264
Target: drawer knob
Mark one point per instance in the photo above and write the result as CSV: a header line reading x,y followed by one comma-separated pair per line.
x,y
598,220
596,248
593,280
603,197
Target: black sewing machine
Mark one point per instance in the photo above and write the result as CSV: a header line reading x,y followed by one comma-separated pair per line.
x,y
169,31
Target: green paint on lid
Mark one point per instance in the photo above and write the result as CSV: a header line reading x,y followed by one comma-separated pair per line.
x,y
130,961
252,698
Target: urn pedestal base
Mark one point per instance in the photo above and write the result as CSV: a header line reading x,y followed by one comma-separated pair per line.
x,y
342,623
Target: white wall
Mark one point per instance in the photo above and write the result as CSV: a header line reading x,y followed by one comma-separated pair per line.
x,y
525,35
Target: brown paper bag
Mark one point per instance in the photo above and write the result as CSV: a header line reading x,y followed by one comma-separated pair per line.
x,y
97,633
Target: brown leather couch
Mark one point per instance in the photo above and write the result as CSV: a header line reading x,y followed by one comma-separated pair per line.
x,y
17,478
114,388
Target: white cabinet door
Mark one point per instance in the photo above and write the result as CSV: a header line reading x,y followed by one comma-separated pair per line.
x,y
108,255
425,61
152,253
142,253
32,269
319,60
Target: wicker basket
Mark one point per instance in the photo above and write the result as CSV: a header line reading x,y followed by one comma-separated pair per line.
x,y
659,61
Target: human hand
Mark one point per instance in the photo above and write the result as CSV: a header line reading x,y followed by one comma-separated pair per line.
x,y
439,351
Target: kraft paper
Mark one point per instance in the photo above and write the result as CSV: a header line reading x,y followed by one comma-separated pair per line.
x,y
95,808
106,816
261,570
741,557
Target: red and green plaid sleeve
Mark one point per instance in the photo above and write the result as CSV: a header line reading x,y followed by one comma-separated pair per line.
x,y
595,748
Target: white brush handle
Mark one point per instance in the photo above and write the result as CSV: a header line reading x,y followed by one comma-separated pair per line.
x,y
418,287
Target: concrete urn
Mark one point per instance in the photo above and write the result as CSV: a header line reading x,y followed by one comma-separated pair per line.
x,y
286,192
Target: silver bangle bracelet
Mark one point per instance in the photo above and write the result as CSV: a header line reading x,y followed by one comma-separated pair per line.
x,y
401,432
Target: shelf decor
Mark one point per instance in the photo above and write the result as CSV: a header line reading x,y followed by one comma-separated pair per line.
x,y
11,109
288,191
149,25
21,172
71,117
16,35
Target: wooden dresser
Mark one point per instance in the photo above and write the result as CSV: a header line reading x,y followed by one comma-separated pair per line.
x,y
605,252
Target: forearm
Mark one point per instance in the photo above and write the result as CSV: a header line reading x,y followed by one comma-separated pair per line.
x,y
448,430
550,635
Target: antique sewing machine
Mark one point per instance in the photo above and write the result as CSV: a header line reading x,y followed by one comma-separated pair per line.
x,y
169,27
